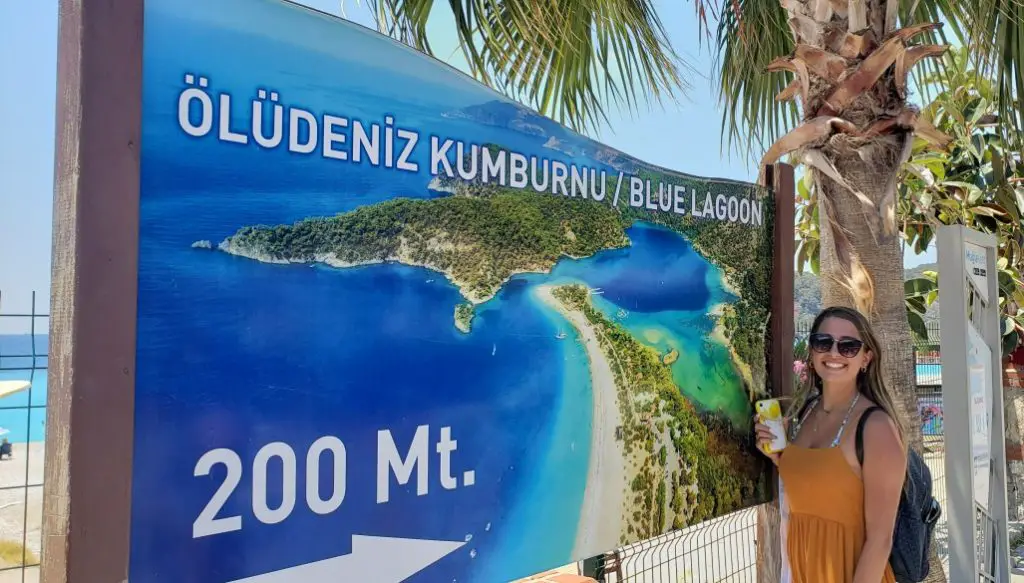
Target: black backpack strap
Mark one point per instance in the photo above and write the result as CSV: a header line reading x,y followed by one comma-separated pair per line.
x,y
859,441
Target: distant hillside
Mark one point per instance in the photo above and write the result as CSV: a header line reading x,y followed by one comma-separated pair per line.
x,y
807,295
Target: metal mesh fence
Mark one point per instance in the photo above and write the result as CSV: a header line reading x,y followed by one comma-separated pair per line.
x,y
719,550
933,435
986,528
23,360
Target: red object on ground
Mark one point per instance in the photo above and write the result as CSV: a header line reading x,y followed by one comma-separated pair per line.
x,y
557,577
562,575
1017,356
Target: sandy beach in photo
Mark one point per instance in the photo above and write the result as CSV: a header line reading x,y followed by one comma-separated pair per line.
x,y
25,469
601,516
718,335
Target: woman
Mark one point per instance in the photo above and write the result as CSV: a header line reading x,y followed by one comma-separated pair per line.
x,y
841,512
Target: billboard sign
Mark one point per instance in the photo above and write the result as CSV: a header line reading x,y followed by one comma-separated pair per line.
x,y
393,326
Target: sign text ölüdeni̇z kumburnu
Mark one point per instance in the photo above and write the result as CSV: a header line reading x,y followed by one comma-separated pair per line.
x,y
386,144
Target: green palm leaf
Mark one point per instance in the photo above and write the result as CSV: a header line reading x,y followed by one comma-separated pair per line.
x,y
751,33
995,32
569,59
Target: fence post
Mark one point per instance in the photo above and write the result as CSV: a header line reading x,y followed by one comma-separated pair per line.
x,y
780,358
91,380
592,567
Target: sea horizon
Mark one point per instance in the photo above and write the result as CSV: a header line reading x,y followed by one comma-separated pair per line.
x,y
16,363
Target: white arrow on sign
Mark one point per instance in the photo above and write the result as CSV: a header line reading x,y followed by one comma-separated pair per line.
x,y
374,559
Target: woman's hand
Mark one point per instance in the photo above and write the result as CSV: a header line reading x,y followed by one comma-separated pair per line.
x,y
765,436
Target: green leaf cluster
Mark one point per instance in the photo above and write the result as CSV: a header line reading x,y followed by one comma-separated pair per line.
x,y
977,182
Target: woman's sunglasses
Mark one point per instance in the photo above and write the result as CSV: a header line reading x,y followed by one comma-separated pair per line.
x,y
822,343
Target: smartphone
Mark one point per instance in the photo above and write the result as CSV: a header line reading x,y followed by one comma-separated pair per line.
x,y
769,412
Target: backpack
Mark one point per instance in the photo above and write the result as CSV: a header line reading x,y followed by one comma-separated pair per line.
x,y
915,520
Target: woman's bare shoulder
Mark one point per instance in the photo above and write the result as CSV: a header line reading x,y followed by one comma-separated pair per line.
x,y
880,431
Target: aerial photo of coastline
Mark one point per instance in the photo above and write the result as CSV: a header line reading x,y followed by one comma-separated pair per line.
x,y
659,458
595,361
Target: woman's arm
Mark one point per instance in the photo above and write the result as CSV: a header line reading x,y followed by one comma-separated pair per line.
x,y
884,469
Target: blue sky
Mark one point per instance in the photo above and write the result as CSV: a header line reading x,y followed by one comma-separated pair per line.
x,y
683,136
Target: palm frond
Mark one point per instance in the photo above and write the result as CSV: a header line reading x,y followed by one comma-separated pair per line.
x,y
994,30
569,59
749,34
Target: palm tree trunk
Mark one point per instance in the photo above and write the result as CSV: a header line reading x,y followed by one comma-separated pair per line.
x,y
883,263
850,66
882,260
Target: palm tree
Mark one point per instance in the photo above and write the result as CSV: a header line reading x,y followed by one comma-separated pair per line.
x,y
849,65
847,62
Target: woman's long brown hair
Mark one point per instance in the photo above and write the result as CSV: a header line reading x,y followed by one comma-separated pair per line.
x,y
870,383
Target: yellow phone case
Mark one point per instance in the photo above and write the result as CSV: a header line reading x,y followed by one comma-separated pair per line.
x,y
769,411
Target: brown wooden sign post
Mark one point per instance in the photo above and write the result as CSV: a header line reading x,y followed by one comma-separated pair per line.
x,y
92,337
780,179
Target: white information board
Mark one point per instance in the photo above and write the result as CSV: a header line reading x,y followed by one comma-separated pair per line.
x,y
979,359
972,396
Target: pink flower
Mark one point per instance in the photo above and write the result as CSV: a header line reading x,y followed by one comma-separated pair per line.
x,y
800,370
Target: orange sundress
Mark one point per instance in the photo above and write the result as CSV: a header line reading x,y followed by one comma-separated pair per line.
x,y
826,514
